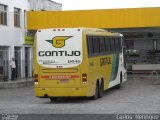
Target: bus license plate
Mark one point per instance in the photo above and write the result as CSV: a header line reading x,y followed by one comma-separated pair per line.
x,y
64,81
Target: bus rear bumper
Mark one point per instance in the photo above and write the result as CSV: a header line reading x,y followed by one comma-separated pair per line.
x,y
61,92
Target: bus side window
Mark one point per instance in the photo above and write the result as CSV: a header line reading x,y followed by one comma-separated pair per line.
x,y
107,45
96,45
117,44
99,45
112,45
102,45
90,45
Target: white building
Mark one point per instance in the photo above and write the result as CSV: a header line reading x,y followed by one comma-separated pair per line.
x,y
46,5
15,42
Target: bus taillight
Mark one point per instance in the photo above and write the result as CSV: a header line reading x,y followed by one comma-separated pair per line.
x,y
35,78
84,78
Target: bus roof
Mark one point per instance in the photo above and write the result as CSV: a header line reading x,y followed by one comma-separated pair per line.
x,y
91,31
103,32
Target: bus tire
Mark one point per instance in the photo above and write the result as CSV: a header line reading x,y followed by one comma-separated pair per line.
x,y
120,84
96,95
101,90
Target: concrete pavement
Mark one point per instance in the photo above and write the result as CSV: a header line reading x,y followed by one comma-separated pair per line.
x,y
139,96
16,83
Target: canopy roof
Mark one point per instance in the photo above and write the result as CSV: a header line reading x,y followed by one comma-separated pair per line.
x,y
107,18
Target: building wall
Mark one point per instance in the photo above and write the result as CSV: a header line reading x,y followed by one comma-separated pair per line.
x,y
11,36
12,39
47,5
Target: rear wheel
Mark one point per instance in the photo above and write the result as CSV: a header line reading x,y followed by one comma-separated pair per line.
x,y
96,95
101,90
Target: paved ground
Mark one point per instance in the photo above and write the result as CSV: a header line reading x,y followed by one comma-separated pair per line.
x,y
16,83
137,95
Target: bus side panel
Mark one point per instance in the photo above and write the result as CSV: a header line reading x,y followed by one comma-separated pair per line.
x,y
106,68
100,68
116,69
93,74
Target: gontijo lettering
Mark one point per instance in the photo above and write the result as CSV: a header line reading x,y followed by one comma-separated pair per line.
x,y
59,53
105,61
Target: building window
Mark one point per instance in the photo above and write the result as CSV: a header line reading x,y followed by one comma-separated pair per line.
x,y
3,14
17,17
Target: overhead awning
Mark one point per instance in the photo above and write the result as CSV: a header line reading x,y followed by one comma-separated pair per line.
x,y
107,18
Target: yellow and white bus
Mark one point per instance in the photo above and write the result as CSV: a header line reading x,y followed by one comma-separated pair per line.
x,y
77,62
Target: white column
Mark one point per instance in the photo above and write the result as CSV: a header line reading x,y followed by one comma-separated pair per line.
x,y
31,61
30,64
11,55
23,62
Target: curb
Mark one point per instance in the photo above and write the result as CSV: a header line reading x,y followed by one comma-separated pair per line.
x,y
15,84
